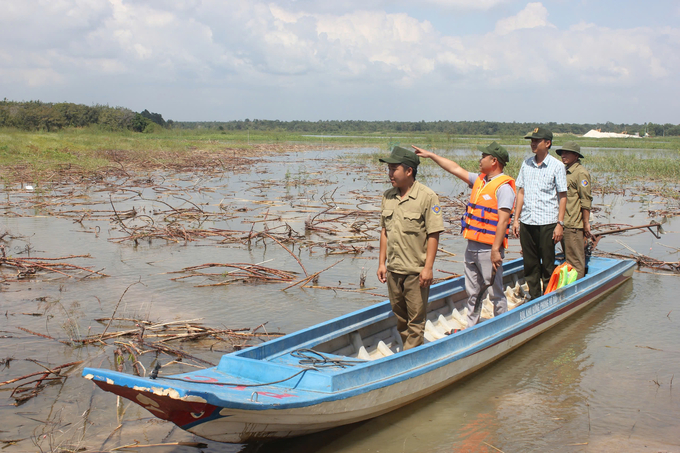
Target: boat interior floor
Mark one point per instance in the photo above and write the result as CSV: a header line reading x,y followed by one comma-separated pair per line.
x,y
445,316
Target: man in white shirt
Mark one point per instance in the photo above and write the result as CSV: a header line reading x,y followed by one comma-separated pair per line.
x,y
541,205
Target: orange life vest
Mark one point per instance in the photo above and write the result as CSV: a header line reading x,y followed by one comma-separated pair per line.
x,y
481,216
563,275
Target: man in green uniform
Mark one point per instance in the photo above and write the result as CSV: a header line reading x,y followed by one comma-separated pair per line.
x,y
579,201
410,221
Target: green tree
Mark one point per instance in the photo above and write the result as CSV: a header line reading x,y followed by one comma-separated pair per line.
x,y
139,123
155,117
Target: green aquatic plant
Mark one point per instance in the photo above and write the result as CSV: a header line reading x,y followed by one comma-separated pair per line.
x,y
94,149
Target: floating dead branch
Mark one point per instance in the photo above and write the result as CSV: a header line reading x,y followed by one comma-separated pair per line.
x,y
49,375
304,281
286,249
640,259
186,330
451,275
357,221
243,272
199,445
43,335
154,338
116,309
349,290
627,228
171,233
644,261
28,267
663,212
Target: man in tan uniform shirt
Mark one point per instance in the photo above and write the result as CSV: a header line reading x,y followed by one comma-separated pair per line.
x,y
410,221
579,201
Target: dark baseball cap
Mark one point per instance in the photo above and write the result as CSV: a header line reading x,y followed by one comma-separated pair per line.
x,y
540,133
401,155
496,151
570,146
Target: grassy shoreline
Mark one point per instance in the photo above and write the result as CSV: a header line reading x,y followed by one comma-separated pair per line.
x,y
34,154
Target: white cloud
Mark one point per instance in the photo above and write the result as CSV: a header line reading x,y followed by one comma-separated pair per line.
x,y
393,40
534,15
594,56
462,4
251,47
341,7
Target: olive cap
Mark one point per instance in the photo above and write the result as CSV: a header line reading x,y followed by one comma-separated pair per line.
x,y
401,155
570,146
497,151
540,133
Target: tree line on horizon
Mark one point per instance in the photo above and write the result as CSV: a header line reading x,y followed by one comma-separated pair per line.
x,y
49,117
438,127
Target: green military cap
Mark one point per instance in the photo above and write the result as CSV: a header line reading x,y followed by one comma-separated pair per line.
x,y
540,133
496,151
571,146
401,155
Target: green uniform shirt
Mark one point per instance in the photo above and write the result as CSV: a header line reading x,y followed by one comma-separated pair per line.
x,y
578,195
407,222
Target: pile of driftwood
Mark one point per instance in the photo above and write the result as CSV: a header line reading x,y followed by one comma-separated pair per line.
x,y
130,344
645,261
642,260
33,383
156,208
27,267
242,272
146,337
664,212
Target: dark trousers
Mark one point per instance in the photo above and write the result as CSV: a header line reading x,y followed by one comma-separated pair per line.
x,y
538,250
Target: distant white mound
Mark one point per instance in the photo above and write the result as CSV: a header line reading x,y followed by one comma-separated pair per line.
x,y
596,133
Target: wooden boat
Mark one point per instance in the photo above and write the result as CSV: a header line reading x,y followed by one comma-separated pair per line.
x,y
352,368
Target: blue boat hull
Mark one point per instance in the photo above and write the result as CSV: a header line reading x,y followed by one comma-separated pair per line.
x,y
265,392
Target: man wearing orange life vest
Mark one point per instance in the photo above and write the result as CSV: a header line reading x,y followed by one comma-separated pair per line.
x,y
485,223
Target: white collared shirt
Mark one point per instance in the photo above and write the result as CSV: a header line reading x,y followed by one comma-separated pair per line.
x,y
541,183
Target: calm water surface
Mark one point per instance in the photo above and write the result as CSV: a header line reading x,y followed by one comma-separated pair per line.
x,y
604,380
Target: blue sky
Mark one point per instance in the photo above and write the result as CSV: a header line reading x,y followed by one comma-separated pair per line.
x,y
214,60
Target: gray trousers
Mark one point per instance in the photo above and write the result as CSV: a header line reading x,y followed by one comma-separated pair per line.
x,y
478,269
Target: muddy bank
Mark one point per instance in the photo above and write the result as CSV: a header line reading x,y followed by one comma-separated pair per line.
x,y
96,165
